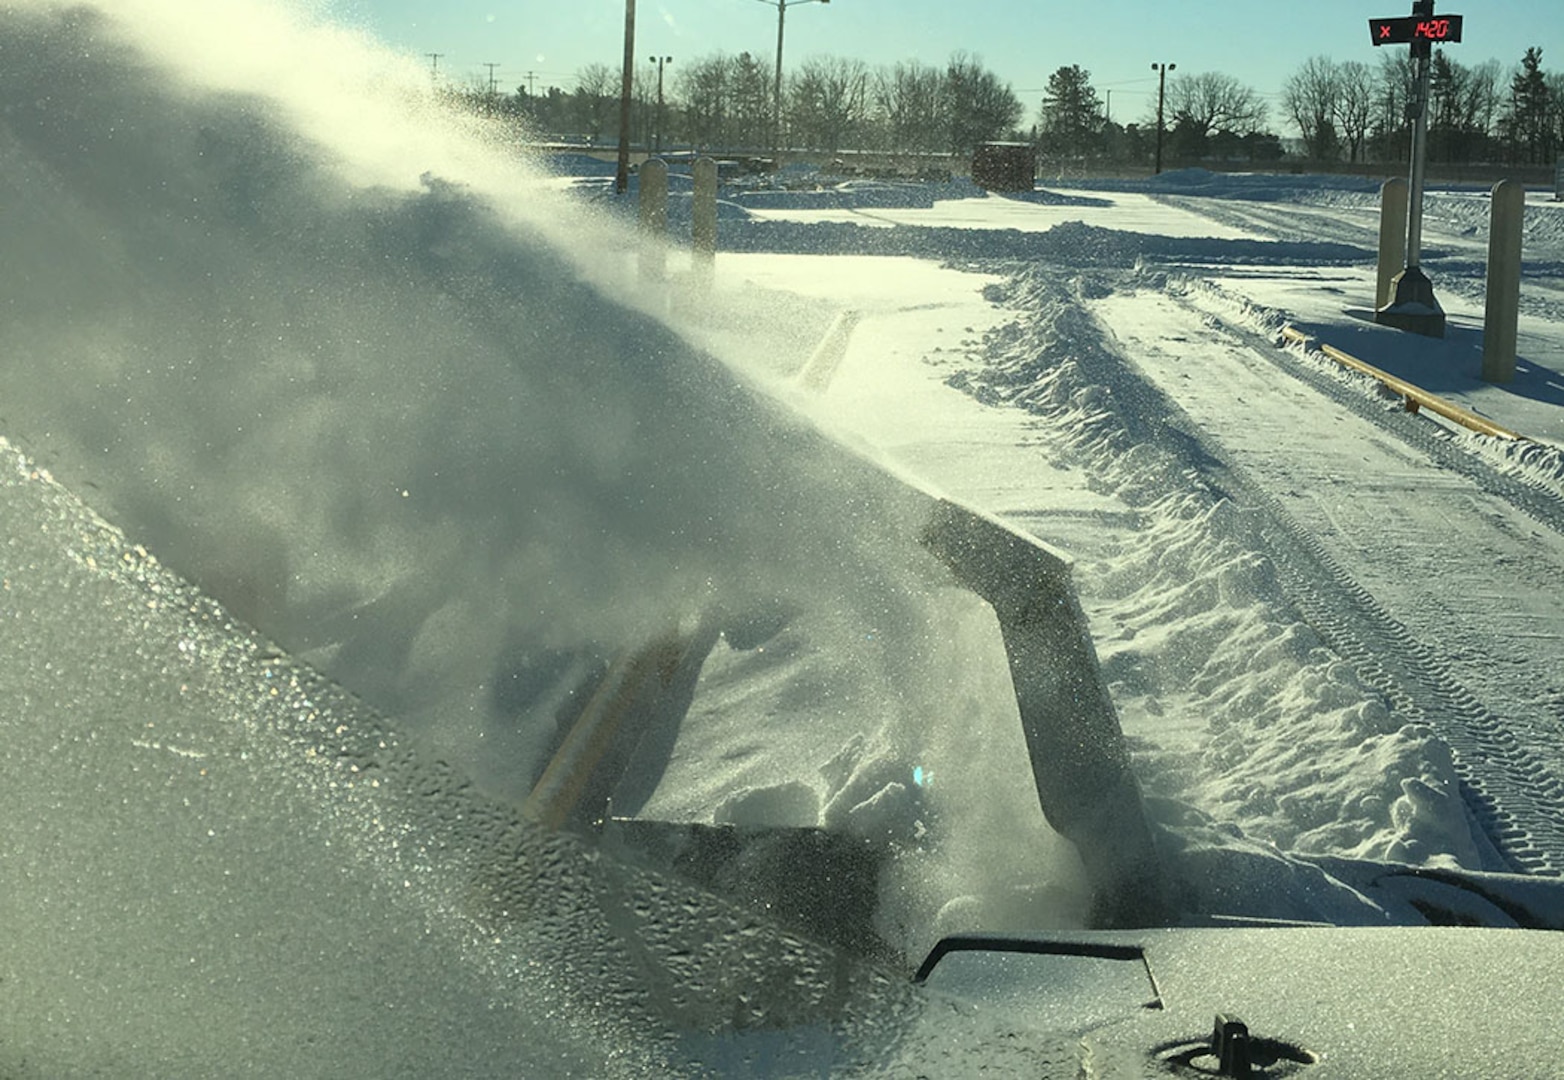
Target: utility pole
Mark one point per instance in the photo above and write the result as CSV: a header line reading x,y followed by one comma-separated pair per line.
x,y
434,67
491,68
1162,87
626,88
776,89
532,82
658,135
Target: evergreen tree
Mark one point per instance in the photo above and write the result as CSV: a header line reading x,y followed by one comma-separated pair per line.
x,y
1071,121
1527,124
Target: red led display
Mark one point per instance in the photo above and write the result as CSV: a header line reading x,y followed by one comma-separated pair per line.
x,y
1412,28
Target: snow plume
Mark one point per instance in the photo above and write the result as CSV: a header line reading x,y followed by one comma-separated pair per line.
x,y
1239,712
326,354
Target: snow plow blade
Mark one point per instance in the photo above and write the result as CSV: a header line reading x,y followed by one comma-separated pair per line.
x,y
1080,762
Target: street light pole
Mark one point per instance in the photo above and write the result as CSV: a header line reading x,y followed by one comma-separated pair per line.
x,y
1162,86
776,89
658,136
626,86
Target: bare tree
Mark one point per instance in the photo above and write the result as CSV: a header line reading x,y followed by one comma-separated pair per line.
x,y
1463,105
596,97
750,83
980,108
1556,96
1357,93
827,102
1391,128
1484,101
1211,102
909,101
703,88
1310,97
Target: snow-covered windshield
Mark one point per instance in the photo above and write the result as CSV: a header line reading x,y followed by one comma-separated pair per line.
x,y
395,525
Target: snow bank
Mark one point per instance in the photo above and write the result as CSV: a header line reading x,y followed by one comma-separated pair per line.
x,y
1250,187
1234,705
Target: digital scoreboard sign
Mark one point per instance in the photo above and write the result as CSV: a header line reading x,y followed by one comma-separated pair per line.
x,y
1414,29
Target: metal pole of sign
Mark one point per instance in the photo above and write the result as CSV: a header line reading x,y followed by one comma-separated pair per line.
x,y
627,84
776,90
1413,305
1419,161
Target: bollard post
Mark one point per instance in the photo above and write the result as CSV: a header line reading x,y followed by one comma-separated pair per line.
x,y
704,221
654,219
1392,238
1504,281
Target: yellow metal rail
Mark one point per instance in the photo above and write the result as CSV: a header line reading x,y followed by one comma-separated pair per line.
x,y
1415,396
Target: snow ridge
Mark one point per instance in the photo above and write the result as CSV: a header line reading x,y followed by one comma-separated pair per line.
x,y
1219,616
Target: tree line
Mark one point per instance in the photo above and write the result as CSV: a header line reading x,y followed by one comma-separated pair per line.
x,y
1331,111
726,102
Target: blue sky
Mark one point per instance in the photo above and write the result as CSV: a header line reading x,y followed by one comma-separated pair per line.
x,y
1259,42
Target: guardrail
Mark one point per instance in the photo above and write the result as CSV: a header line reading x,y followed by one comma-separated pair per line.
x,y
1415,396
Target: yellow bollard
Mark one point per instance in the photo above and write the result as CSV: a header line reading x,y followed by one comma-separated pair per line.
x,y
704,221
1392,238
1504,281
654,219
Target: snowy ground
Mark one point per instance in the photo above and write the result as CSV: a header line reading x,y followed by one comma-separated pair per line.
x,y
1327,623
405,406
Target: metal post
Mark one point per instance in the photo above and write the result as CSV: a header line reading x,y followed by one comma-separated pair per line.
x,y
1414,306
1392,238
1419,163
776,90
704,222
776,86
1504,281
626,88
657,145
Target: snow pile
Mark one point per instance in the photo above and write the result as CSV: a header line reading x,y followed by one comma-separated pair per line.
x,y
1542,228
1233,703
1538,463
1248,187
825,194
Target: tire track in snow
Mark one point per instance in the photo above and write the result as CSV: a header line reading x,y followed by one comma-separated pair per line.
x,y
1527,493
1511,792
1512,795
